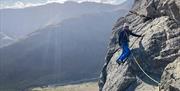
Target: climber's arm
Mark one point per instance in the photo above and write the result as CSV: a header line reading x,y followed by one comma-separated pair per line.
x,y
133,34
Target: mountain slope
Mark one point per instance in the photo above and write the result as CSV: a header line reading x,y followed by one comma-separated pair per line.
x,y
157,52
20,22
59,53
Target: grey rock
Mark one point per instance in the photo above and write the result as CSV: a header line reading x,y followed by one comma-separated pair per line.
x,y
171,77
157,52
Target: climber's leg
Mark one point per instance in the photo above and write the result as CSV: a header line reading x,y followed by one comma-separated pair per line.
x,y
125,53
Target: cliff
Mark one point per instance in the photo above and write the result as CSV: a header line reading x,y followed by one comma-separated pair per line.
x,y
157,52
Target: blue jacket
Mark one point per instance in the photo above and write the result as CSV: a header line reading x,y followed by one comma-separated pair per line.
x,y
124,36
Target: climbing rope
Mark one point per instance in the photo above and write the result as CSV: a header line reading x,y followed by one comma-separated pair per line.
x,y
144,71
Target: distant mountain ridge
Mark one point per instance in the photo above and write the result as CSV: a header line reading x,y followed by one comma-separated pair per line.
x,y
20,22
23,4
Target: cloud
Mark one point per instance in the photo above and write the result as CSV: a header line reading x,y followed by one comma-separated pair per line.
x,y
79,1
20,4
98,1
58,1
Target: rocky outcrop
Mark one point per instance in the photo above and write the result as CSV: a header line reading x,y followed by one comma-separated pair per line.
x,y
171,76
157,52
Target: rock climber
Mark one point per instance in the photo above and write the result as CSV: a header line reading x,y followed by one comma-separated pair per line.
x,y
123,42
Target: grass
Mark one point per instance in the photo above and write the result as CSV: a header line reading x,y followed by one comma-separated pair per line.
x,y
89,86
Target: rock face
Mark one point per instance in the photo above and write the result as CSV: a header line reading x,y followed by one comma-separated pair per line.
x,y
157,52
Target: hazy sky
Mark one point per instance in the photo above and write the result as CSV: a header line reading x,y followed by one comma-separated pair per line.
x,y
27,3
